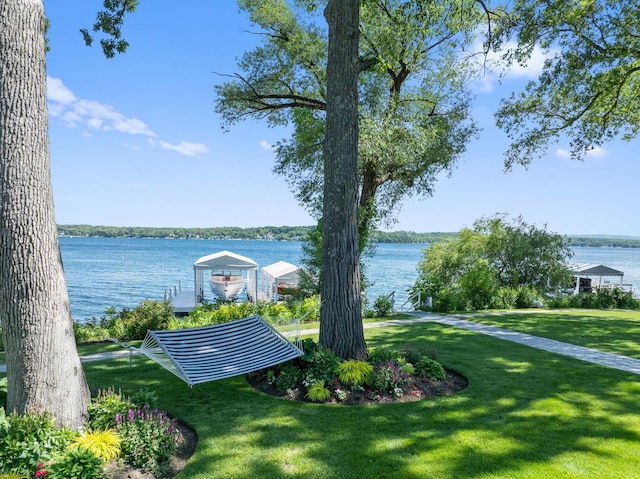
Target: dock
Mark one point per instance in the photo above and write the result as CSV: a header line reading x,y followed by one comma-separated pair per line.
x,y
183,301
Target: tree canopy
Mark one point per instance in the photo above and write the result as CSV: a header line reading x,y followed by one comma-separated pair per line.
x,y
588,89
414,117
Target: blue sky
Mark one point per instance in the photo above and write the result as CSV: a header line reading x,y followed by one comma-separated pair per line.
x,y
135,140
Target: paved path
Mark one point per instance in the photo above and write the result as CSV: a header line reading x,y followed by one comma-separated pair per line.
x,y
590,355
595,356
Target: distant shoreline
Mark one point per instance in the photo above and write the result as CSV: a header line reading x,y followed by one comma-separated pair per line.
x,y
299,233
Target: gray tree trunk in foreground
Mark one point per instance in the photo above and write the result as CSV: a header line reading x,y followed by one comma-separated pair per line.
x,y
341,312
43,368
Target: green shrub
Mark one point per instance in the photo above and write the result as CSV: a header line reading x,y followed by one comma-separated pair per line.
x,y
30,439
148,437
407,368
77,463
525,297
383,306
353,372
381,355
319,364
89,331
149,314
450,300
506,298
429,368
290,376
318,393
144,397
413,354
104,408
274,312
424,287
308,309
479,285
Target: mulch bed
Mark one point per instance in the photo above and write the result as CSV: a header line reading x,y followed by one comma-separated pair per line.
x,y
417,389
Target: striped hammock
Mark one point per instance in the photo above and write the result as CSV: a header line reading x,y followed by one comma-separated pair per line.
x,y
198,355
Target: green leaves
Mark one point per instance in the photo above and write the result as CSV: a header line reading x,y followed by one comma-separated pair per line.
x,y
109,22
587,91
495,254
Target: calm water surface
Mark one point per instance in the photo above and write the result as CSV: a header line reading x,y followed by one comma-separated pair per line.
x,y
121,272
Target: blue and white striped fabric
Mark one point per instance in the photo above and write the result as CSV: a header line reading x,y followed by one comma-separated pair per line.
x,y
198,355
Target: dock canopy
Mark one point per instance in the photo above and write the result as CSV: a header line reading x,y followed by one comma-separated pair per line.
x,y
588,270
279,276
226,261
592,269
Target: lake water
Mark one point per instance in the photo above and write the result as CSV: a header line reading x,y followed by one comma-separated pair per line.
x,y
121,272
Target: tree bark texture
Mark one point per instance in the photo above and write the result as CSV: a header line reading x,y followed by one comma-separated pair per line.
x,y
43,367
341,312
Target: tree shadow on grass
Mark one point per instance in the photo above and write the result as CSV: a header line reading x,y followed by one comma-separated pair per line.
x,y
526,413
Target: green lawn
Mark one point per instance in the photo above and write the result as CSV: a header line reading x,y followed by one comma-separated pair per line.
x,y
526,414
612,331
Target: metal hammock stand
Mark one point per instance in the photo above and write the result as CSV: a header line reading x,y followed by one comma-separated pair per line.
x,y
198,355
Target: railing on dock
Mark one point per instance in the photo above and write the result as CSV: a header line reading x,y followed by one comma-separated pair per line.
x,y
171,293
417,301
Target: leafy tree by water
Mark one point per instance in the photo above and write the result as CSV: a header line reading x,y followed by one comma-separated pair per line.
x,y
413,104
495,254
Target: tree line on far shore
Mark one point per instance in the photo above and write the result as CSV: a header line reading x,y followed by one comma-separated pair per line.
x,y
299,233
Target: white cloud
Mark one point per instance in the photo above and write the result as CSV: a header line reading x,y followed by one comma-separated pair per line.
x,y
133,126
265,145
93,115
57,92
94,123
492,67
597,152
534,65
186,148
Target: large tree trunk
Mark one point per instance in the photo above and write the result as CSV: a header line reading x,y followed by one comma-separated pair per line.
x,y
43,367
341,313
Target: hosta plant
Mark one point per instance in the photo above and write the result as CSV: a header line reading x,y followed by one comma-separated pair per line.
x,y
430,369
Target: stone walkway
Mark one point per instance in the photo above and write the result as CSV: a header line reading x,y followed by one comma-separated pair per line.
x,y
590,355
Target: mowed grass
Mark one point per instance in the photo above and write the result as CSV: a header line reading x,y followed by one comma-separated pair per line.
x,y
613,331
526,414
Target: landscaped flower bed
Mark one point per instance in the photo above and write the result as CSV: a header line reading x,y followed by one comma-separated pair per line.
x,y
126,430
386,377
